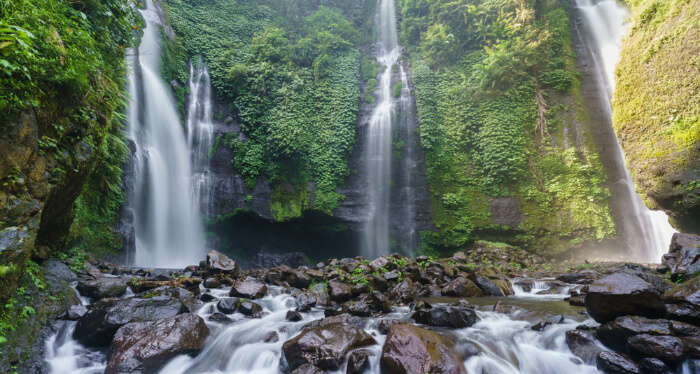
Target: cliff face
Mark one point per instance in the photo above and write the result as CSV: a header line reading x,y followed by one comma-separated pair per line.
x,y
656,106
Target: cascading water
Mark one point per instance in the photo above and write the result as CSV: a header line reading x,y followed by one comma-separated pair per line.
x,y
200,133
167,223
389,112
647,233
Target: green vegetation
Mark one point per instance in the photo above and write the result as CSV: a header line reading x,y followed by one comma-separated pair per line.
x,y
496,90
656,107
289,71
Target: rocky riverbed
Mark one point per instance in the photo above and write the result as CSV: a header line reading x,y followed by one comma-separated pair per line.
x,y
391,315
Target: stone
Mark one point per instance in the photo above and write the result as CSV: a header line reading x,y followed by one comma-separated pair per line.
x,y
620,294
324,345
385,324
220,318
218,262
105,317
683,257
228,305
147,346
358,362
75,312
544,323
207,297
271,337
402,293
583,345
616,363
653,366
446,316
581,277
412,349
102,288
307,369
664,347
250,288
339,291
487,286
614,334
461,287
293,316
250,309
367,304
683,302
305,301
212,283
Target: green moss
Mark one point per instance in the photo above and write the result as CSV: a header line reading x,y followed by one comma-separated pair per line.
x,y
478,97
656,108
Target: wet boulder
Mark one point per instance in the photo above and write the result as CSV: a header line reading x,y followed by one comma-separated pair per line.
x,y
664,347
250,309
367,304
622,293
250,288
402,293
616,363
683,257
105,317
220,318
324,345
683,302
412,349
579,277
358,362
139,285
583,345
228,305
339,291
305,301
102,288
446,316
614,334
218,262
147,346
75,312
461,287
293,316
212,283
653,366
307,369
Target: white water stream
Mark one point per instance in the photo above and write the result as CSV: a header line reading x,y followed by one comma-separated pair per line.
x,y
167,222
647,233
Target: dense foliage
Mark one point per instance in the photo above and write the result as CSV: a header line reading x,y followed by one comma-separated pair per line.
x,y
496,90
289,71
656,107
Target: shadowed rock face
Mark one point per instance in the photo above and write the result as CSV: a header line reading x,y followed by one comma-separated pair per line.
x,y
146,346
324,345
622,293
412,349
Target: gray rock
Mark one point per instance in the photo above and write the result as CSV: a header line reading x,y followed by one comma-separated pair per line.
x,y
620,294
103,287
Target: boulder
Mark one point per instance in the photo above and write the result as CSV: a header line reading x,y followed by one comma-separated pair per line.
x,y
293,316
250,309
339,291
212,283
402,293
75,312
105,317
616,363
683,302
228,305
614,334
487,286
142,285
324,345
358,362
250,288
271,337
147,346
186,297
620,294
305,301
307,369
461,287
653,366
664,347
583,345
580,277
367,304
218,262
446,316
102,288
683,257
220,318
412,349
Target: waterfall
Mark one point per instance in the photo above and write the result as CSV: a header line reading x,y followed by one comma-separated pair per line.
x,y
647,234
392,115
167,224
200,133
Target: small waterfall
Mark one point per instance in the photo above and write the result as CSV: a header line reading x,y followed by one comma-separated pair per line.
x,y
200,133
167,223
390,111
647,233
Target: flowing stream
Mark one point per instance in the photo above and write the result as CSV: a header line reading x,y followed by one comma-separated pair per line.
x,y
647,233
392,116
167,222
